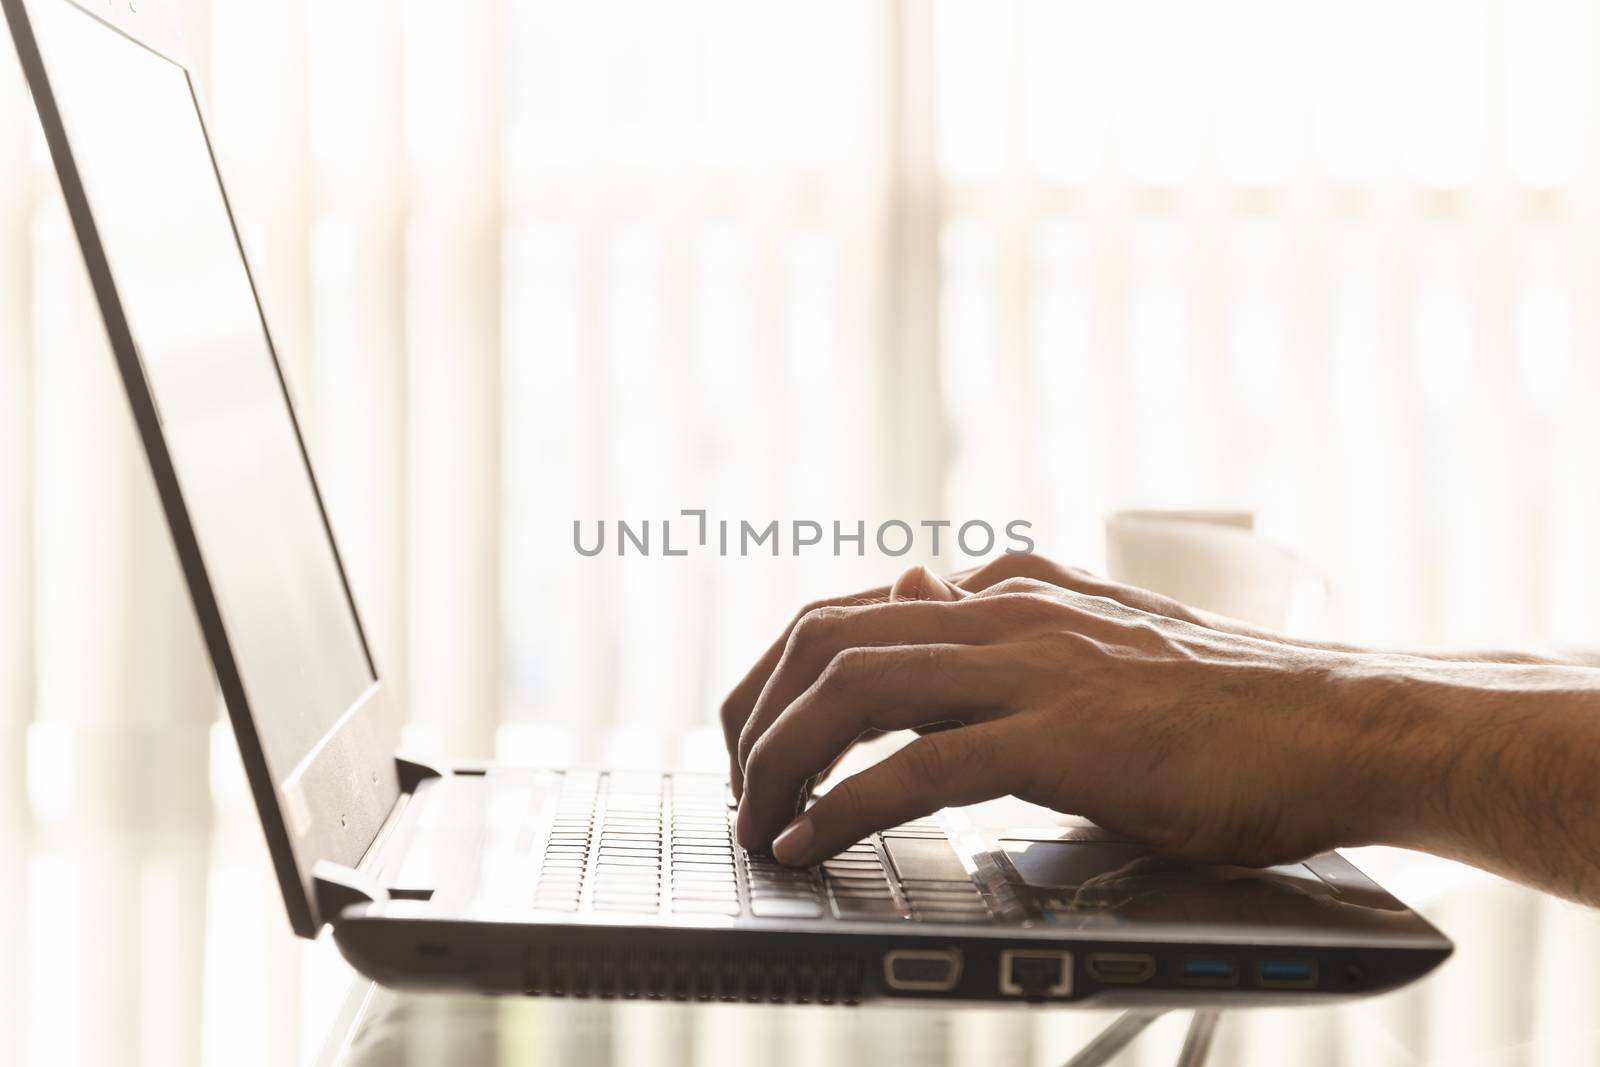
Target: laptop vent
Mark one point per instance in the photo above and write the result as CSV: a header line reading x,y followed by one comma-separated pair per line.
x,y
776,978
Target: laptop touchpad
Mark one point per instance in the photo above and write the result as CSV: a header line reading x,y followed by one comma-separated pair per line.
x,y
1089,883
1069,864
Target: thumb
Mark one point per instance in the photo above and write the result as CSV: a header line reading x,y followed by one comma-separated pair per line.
x,y
919,583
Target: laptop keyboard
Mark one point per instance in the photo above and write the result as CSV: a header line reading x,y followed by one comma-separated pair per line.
x,y
638,843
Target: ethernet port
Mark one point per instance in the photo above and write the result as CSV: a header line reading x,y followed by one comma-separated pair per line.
x,y
1035,974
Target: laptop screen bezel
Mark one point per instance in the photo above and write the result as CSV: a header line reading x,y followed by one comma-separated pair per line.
x,y
337,798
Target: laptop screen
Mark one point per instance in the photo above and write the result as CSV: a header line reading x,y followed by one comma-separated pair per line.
x,y
131,119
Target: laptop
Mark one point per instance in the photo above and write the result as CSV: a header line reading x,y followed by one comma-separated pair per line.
x,y
571,882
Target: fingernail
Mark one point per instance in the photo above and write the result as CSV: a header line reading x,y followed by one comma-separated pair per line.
x,y
791,845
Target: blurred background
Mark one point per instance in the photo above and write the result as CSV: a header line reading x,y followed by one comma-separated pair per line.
x,y
532,262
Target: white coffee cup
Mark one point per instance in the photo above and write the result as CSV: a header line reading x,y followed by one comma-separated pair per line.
x,y
1215,561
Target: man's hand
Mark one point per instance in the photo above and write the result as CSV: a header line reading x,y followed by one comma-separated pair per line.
x,y
919,584
1208,744
1195,734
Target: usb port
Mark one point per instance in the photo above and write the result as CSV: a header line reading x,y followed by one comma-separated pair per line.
x,y
1208,970
1121,968
1287,974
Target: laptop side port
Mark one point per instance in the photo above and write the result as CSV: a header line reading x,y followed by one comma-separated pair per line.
x,y
1287,974
1208,971
922,970
1035,973
1121,968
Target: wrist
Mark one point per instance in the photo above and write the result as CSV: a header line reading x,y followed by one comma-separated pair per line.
x,y
1489,763
1461,758
1402,746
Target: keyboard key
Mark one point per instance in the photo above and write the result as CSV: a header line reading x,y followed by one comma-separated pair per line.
x,y
620,859
704,889
925,858
946,900
627,901
851,884
789,888
706,881
785,908
807,899
627,889
944,890
556,892
608,871
561,876
705,907
689,872
556,905
758,890
853,908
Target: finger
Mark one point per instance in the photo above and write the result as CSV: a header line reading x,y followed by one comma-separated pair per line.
x,y
941,770
1081,610
1002,567
1011,586
1005,570
1029,565
736,707
919,583
885,688
824,633
741,701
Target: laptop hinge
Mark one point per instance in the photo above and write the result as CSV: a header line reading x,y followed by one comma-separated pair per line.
x,y
413,771
337,888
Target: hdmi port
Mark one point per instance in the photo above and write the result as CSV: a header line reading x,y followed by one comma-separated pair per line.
x,y
1121,968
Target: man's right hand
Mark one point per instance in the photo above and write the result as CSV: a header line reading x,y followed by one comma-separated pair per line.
x,y
920,584
1190,732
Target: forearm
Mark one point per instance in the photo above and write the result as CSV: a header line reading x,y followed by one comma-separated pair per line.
x,y
1497,765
